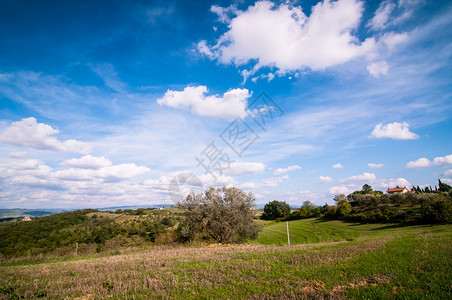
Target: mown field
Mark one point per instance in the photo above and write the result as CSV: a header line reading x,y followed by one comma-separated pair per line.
x,y
329,259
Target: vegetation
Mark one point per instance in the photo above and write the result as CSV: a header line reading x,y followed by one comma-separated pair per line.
x,y
276,210
370,261
368,245
85,232
224,215
434,206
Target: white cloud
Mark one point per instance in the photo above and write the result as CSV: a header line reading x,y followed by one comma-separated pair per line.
x,y
122,171
284,37
392,39
17,154
313,197
326,179
448,173
29,133
281,171
232,104
219,180
376,69
270,76
424,162
362,177
87,162
205,50
224,13
446,180
420,163
76,174
337,166
243,168
442,161
269,182
108,173
375,166
381,16
24,164
340,190
396,131
392,183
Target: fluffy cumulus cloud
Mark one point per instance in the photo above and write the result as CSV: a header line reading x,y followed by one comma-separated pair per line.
x,y
29,133
376,69
281,171
340,190
370,177
440,161
392,183
282,36
87,162
244,168
231,105
325,179
375,166
395,131
106,173
338,166
448,173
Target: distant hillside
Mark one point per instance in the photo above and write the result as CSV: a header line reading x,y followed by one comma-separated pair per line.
x,y
21,212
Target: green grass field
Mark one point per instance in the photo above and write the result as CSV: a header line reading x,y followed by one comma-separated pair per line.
x,y
315,231
327,260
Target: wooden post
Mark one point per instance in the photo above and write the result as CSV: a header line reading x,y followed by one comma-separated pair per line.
x,y
288,236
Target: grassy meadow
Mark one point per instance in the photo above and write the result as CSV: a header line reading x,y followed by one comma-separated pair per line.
x,y
326,260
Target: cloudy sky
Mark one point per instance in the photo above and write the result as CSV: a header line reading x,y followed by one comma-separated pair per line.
x,y
108,103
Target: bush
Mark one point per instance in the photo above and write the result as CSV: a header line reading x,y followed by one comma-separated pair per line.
x,y
223,214
343,209
437,209
276,210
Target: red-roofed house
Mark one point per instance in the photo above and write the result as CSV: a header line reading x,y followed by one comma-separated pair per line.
x,y
403,190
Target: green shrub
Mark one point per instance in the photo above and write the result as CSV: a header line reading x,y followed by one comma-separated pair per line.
x,y
276,210
108,284
40,293
437,209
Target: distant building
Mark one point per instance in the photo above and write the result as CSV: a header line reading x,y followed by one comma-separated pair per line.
x,y
403,190
26,219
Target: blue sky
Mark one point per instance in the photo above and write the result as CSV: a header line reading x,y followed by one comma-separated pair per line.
x,y
104,103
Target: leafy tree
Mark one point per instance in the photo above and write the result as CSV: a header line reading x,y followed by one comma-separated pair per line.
x,y
222,214
444,187
309,206
276,210
343,209
437,209
367,189
340,198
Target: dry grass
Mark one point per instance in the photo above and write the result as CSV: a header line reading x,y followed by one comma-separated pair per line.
x,y
160,272
377,266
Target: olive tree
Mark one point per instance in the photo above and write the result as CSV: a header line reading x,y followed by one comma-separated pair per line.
x,y
222,214
276,210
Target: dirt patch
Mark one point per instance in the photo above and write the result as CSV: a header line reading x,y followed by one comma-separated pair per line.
x,y
371,281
